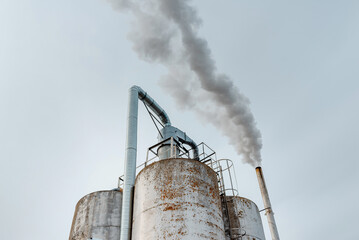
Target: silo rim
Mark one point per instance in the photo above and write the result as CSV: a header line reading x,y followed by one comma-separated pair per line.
x,y
171,159
245,199
113,190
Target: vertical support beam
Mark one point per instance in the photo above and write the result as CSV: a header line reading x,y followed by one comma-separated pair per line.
x,y
130,165
267,204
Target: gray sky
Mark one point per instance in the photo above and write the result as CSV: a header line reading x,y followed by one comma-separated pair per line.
x,y
65,67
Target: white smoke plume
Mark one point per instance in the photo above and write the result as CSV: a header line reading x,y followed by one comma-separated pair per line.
x,y
166,32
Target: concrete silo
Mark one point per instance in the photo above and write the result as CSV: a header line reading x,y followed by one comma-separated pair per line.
x,y
246,222
97,216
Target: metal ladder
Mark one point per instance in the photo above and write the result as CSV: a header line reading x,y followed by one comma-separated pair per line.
x,y
211,161
222,193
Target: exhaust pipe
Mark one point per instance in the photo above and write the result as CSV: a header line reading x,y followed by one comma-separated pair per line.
x,y
267,205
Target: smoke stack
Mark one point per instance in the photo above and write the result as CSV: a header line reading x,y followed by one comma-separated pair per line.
x,y
267,205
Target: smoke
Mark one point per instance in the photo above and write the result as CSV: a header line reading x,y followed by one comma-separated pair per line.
x,y
166,32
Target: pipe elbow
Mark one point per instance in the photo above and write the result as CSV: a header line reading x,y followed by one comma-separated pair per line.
x,y
152,104
187,140
195,149
135,88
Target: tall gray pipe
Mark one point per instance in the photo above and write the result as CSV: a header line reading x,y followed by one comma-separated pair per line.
x,y
130,164
135,93
267,204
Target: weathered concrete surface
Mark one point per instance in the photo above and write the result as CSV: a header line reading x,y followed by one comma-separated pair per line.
x,y
177,199
97,215
245,219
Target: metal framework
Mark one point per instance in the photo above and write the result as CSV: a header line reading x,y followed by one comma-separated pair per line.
x,y
224,168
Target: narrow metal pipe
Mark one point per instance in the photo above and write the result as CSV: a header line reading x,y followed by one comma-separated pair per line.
x,y
267,204
130,165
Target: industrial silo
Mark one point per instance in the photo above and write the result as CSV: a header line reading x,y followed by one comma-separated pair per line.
x,y
97,216
245,219
177,199
179,193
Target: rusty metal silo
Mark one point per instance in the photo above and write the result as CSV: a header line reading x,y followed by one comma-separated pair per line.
x,y
97,216
245,219
177,199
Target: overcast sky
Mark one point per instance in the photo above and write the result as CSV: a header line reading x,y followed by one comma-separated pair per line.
x,y
65,69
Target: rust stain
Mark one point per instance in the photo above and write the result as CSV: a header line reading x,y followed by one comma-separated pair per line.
x,y
246,202
172,207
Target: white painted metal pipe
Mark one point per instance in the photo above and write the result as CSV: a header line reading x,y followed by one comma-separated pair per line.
x,y
267,204
135,93
130,164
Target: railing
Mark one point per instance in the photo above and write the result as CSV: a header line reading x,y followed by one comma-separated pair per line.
x,y
229,177
176,150
224,168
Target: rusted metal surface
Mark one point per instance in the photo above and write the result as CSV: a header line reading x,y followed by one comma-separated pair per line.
x,y
245,220
267,204
97,216
177,199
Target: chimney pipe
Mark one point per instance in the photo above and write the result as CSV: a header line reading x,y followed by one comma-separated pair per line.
x,y
267,205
